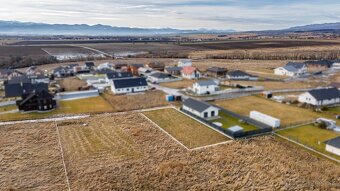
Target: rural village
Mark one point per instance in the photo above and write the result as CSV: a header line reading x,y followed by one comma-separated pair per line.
x,y
169,116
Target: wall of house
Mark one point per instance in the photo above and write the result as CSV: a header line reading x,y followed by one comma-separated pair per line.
x,y
192,76
333,150
309,99
201,114
283,72
204,89
128,90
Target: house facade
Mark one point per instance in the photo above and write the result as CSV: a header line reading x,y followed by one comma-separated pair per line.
x,y
133,68
320,97
291,69
200,109
159,77
217,72
175,70
190,72
131,85
36,101
205,87
240,75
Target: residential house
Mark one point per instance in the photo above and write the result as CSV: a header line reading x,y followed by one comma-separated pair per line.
x,y
318,65
89,66
6,74
333,146
120,66
105,66
144,71
184,62
18,89
33,70
200,109
133,68
320,97
336,66
37,100
173,70
130,85
63,71
190,72
159,77
103,71
216,72
156,66
117,75
205,87
291,69
240,75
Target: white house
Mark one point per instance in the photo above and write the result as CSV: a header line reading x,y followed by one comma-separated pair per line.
x,y
336,66
205,87
190,72
291,69
129,85
145,71
333,146
319,97
159,77
117,75
201,109
184,62
103,66
240,75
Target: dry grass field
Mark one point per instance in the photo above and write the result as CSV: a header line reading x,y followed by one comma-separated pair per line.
x,y
179,84
186,130
149,99
288,114
273,85
71,84
30,158
94,161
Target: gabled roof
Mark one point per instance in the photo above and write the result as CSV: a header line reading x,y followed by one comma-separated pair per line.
x,y
216,69
160,75
89,64
196,105
117,75
326,63
104,71
297,65
128,83
41,94
19,79
335,84
239,73
325,93
207,83
137,65
16,90
334,142
291,68
188,70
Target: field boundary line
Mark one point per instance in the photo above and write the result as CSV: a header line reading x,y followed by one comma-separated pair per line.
x,y
45,120
155,124
62,157
294,126
204,124
212,145
308,148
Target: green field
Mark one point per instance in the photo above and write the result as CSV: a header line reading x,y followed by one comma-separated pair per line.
x,y
311,136
229,121
335,110
80,106
186,130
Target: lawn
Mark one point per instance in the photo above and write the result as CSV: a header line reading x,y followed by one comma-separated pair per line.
x,y
80,106
335,110
186,130
288,114
8,108
229,121
271,85
311,136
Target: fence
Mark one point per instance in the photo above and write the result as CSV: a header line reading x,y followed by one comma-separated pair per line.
x,y
227,131
7,103
298,123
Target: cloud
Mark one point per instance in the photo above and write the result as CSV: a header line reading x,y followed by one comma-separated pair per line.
x,y
183,14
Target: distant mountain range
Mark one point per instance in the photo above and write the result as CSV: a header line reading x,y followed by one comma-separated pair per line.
x,y
30,28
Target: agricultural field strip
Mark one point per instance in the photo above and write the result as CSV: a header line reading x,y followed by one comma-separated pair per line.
x,y
62,156
308,148
212,145
44,120
173,138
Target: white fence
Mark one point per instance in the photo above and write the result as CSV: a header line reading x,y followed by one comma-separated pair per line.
x,y
77,95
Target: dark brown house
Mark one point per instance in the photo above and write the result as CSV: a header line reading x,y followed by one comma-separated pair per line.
x,y
133,68
157,66
37,101
217,72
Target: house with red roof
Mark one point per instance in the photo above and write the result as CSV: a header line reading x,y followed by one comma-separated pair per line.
x,y
190,72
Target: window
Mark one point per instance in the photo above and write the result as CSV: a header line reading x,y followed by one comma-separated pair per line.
x,y
212,113
205,114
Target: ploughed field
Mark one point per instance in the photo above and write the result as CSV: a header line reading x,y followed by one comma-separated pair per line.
x,y
127,152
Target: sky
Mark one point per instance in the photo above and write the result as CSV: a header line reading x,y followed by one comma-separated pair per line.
x,y
240,15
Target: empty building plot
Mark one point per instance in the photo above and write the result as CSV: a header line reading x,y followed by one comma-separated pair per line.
x,y
185,129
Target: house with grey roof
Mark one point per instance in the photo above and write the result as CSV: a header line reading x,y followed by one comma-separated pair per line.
x,y
173,70
130,85
320,97
200,108
217,71
291,69
240,75
205,87
333,146
160,77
